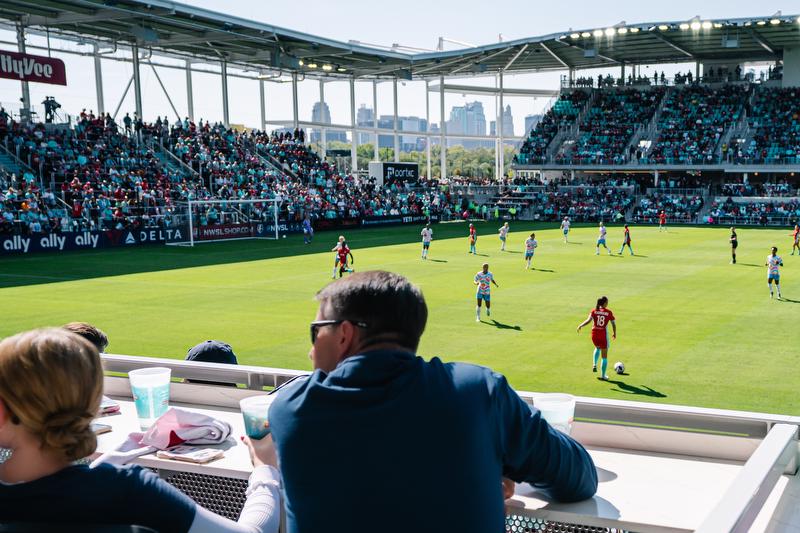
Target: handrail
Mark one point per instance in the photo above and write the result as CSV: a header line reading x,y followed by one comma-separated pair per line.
x,y
740,505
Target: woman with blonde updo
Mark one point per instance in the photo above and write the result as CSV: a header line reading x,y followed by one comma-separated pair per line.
x,y
51,383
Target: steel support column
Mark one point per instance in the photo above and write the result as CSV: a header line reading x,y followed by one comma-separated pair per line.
x,y
323,136
428,128
442,131
295,113
353,134
376,155
137,80
224,78
189,90
25,113
262,100
501,159
394,116
98,82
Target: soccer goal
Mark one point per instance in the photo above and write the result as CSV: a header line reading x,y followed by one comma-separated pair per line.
x,y
198,221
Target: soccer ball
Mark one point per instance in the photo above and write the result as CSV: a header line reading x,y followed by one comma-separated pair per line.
x,y
284,236
619,367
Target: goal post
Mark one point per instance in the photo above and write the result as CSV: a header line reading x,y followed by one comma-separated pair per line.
x,y
198,221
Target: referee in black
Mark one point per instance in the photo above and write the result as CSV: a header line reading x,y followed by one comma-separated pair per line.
x,y
734,244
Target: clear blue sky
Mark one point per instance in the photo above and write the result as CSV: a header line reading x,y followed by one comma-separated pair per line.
x,y
417,23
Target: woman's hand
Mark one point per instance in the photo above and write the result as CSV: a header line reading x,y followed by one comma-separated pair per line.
x,y
262,451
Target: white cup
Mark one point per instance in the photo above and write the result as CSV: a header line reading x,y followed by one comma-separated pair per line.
x,y
558,409
150,388
255,411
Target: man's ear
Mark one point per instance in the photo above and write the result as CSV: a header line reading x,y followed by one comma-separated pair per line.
x,y
349,339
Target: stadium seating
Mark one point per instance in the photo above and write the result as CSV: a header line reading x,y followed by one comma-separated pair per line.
x,y
563,113
678,207
778,212
692,122
774,126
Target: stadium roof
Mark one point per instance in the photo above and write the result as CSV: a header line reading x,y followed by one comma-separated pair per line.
x,y
178,29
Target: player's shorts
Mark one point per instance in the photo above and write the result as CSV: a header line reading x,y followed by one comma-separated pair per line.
x,y
502,238
485,297
601,241
426,244
600,339
528,255
566,230
734,245
774,277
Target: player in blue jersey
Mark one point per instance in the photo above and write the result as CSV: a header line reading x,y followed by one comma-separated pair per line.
x,y
773,264
601,240
308,230
530,246
565,228
484,279
503,231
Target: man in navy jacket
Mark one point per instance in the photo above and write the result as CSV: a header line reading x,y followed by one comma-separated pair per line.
x,y
377,439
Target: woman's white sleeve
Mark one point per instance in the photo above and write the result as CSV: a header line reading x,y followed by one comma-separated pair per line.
x,y
261,512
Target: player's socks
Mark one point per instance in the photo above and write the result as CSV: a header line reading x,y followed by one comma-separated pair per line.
x,y
603,367
595,357
489,311
477,314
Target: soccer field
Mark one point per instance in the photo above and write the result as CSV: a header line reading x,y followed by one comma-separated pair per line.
x,y
692,329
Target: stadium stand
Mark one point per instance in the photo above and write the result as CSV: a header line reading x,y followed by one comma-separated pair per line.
x,y
561,115
773,133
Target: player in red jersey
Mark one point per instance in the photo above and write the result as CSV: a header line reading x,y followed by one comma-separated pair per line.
x,y
662,221
473,240
344,264
600,316
796,239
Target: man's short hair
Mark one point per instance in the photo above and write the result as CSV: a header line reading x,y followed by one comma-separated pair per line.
x,y
391,306
90,333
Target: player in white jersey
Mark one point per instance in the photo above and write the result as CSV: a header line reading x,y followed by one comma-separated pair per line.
x,y
336,249
503,231
530,246
427,235
565,228
484,279
601,240
773,264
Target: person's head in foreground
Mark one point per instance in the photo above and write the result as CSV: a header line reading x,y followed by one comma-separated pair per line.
x,y
51,383
89,332
376,424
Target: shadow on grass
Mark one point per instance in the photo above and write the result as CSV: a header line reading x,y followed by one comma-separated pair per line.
x,y
542,269
789,300
749,265
511,251
437,260
640,255
574,242
644,390
500,325
43,268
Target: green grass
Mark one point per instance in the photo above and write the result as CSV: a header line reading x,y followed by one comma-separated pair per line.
x,y
693,329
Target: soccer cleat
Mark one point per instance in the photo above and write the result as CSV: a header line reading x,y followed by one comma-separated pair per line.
x,y
603,378
489,313
477,319
597,252
594,368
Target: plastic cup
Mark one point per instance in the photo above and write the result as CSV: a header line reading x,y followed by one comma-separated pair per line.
x,y
255,411
150,388
558,409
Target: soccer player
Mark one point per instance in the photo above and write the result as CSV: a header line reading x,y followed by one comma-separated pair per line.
x,y
601,240
796,237
308,231
600,316
774,262
484,280
530,246
503,234
565,228
427,235
336,249
626,241
734,244
344,265
473,238
662,221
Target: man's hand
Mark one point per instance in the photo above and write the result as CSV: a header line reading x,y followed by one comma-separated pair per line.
x,y
508,488
262,451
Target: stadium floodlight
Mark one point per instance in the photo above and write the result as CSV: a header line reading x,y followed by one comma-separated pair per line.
x,y
610,32
598,33
301,62
717,25
798,20
634,30
586,34
664,27
707,25
575,36
341,69
684,26
762,22
775,21
327,68
622,31
312,65
695,25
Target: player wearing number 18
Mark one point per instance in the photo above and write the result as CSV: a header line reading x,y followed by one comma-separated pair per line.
x,y
600,316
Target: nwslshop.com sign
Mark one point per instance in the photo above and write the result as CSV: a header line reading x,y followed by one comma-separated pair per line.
x,y
27,67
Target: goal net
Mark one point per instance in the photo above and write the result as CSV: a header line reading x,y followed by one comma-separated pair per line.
x,y
198,221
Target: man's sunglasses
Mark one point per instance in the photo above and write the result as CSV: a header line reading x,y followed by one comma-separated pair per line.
x,y
314,326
